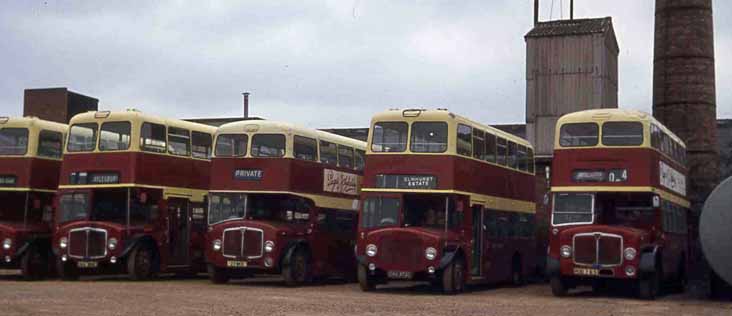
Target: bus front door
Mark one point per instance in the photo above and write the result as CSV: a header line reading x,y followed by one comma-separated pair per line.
x,y
179,231
478,241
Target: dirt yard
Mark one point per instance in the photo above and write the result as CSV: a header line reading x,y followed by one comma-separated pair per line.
x,y
264,297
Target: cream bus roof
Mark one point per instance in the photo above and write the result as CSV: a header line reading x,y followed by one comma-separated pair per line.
x,y
441,115
32,123
276,127
138,117
34,126
616,115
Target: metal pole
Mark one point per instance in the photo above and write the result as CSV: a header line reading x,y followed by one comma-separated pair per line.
x,y
129,197
447,212
571,9
536,12
25,211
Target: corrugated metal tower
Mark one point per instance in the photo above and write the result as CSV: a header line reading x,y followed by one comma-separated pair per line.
x,y
571,65
684,97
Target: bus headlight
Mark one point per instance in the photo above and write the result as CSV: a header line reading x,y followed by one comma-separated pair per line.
x,y
217,245
630,253
63,243
112,243
566,251
269,246
430,253
7,243
371,250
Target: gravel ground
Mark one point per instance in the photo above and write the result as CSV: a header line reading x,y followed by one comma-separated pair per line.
x,y
178,296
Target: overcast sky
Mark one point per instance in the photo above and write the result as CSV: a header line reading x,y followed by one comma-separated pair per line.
x,y
317,63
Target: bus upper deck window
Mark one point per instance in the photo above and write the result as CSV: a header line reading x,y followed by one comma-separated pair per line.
x,y
82,137
328,153
13,141
268,145
345,156
464,140
114,136
622,134
490,147
201,145
389,137
152,137
360,159
501,151
232,145
305,148
429,137
50,144
179,141
579,135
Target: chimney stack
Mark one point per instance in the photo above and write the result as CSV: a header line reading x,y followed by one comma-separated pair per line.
x,y
246,104
536,12
684,97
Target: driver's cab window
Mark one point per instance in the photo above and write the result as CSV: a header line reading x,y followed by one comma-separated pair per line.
x,y
297,211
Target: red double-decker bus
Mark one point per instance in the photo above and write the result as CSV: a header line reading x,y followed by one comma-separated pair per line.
x,y
30,159
132,195
619,204
283,201
445,200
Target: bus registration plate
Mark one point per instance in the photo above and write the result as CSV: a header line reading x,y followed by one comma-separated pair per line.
x,y
87,264
587,272
401,275
236,264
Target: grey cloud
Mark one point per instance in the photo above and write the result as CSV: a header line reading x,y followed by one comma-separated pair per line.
x,y
317,63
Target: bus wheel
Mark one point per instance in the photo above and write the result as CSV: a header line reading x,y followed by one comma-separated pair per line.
x,y
297,272
364,281
217,275
140,263
66,270
34,264
648,286
453,277
559,286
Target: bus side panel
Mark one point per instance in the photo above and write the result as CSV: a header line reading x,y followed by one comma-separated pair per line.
x,y
638,162
274,174
440,166
124,163
482,178
163,170
45,174
20,168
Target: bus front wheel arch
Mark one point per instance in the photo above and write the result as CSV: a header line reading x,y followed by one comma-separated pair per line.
x,y
453,276
365,282
297,269
141,262
34,263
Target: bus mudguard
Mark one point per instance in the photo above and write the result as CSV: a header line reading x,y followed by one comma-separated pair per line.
x,y
648,260
553,266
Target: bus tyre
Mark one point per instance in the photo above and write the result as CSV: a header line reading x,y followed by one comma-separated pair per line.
x,y
364,281
559,286
66,270
648,286
453,277
217,275
140,263
297,271
34,264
